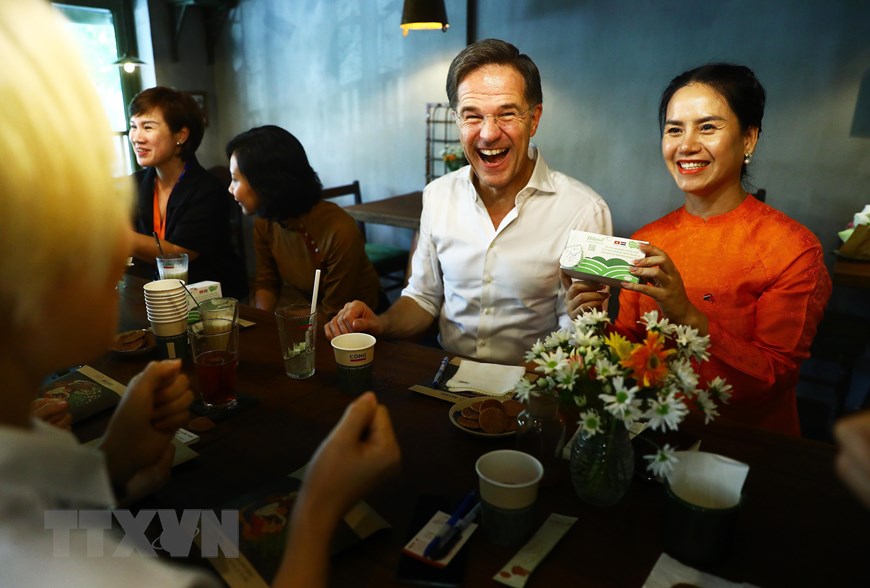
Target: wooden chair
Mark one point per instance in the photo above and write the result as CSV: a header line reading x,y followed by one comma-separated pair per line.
x,y
841,341
237,225
390,262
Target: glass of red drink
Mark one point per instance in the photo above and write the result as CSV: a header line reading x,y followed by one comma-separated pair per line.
x,y
214,344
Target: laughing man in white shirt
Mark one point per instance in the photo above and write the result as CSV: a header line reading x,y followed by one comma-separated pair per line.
x,y
491,233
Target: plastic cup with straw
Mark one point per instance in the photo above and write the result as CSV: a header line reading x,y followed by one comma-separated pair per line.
x,y
173,265
297,330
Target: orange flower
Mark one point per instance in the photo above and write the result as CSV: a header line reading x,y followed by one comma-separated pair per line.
x,y
648,361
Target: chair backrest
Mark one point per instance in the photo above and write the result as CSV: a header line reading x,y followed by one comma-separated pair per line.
x,y
237,226
351,189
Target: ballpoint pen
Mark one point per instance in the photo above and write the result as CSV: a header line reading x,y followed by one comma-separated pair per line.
x,y
453,534
436,381
454,518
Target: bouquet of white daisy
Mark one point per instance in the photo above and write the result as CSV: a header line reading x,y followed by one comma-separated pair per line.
x,y
613,380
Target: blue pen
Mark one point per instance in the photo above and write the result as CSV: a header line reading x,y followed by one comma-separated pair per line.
x,y
454,518
436,381
453,534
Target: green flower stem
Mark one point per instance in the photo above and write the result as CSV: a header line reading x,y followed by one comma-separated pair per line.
x,y
599,469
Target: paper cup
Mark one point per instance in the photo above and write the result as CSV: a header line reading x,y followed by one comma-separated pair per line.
x,y
355,355
162,288
169,328
704,499
509,478
180,306
172,347
509,482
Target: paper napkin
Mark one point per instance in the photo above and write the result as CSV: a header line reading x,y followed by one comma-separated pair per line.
x,y
707,479
491,379
669,572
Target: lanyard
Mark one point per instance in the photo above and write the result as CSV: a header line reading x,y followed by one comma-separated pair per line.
x,y
160,221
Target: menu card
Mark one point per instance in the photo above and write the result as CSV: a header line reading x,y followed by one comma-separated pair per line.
x,y
264,519
87,391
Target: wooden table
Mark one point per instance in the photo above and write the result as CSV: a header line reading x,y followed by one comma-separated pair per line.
x,y
855,274
398,211
798,526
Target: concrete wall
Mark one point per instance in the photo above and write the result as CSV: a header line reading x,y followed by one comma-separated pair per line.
x,y
339,75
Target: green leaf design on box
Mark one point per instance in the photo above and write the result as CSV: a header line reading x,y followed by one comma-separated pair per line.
x,y
614,268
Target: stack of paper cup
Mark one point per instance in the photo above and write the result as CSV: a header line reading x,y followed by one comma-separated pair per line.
x,y
166,305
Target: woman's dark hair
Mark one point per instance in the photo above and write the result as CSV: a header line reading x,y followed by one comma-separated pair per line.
x,y
494,52
737,84
179,110
276,167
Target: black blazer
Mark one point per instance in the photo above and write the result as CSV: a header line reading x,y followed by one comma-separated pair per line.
x,y
197,218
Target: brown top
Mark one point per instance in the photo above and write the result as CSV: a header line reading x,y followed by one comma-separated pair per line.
x,y
326,238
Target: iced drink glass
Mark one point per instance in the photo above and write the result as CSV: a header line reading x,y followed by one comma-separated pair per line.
x,y
297,329
214,344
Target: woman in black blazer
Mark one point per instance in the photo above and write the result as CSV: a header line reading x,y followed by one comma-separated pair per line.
x,y
177,198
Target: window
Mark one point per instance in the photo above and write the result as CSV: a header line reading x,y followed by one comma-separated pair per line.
x,y
103,31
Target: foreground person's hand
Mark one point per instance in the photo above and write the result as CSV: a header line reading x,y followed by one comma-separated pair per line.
x,y
354,317
853,461
583,295
140,433
53,411
359,452
661,281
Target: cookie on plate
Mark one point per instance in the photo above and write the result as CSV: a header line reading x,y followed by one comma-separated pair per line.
x,y
493,420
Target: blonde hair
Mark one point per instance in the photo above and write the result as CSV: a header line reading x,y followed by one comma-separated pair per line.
x,y
62,211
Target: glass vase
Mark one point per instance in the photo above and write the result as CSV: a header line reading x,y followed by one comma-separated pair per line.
x,y
602,465
541,433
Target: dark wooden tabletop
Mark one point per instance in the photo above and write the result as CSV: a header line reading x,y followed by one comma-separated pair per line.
x,y
398,211
855,274
798,525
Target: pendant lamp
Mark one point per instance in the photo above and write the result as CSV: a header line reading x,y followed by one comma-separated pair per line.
x,y
424,14
128,62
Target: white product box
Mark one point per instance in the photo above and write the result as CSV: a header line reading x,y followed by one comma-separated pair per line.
x,y
203,291
600,258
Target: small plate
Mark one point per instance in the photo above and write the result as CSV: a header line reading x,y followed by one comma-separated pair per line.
x,y
148,342
455,413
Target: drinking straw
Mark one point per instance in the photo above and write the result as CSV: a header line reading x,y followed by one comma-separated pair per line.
x,y
316,288
159,248
192,297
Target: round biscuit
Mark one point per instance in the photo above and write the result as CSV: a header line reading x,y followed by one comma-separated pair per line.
x,y
513,407
491,402
468,423
492,420
129,336
469,413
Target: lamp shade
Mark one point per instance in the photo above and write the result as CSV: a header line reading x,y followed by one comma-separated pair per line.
x,y
424,14
128,62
